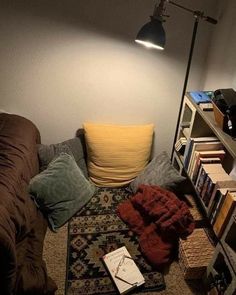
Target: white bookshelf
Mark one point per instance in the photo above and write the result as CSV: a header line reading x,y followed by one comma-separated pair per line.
x,y
194,122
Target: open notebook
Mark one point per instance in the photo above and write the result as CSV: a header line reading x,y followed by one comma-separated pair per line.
x,y
123,270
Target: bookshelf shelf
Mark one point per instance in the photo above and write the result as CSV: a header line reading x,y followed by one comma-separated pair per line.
x,y
196,125
208,117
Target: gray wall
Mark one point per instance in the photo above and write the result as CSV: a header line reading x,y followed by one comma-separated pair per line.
x,y
221,70
69,61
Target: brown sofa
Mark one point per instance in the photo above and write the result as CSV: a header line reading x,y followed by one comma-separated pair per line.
x,y
22,225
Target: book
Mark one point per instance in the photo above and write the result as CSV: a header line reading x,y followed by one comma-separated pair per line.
x,y
220,185
224,213
205,169
187,150
213,156
203,161
123,270
203,146
216,205
180,144
210,183
189,146
206,106
200,97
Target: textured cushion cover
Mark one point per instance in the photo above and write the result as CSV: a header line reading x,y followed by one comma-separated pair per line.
x,y
158,172
72,146
61,190
117,153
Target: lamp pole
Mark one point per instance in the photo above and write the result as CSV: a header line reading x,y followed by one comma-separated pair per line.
x,y
152,35
197,15
195,27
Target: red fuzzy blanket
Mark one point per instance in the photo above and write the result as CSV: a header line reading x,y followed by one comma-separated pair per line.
x,y
159,218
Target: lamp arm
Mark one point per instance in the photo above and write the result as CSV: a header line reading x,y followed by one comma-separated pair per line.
x,y
196,13
180,6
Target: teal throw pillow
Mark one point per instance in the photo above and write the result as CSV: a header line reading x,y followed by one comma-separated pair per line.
x,y
61,190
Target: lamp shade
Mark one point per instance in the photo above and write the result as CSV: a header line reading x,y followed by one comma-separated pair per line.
x,y
152,35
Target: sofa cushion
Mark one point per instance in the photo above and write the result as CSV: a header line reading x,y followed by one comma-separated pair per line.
x,y
72,146
159,172
117,153
61,190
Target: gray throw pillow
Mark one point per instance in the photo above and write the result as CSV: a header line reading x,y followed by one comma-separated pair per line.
x,y
61,190
72,146
158,172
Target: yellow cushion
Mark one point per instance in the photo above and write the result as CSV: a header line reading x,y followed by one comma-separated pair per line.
x,y
117,153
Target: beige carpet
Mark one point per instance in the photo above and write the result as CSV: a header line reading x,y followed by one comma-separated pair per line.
x,y
55,252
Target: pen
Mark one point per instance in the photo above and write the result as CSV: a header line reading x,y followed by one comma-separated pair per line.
x,y
132,284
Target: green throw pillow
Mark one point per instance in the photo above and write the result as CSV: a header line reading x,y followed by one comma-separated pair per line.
x,y
61,190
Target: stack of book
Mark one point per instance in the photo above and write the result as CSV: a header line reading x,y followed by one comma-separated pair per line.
x,y
180,144
201,150
208,176
217,190
202,160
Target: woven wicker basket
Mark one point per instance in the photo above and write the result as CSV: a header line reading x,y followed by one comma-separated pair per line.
x,y
195,254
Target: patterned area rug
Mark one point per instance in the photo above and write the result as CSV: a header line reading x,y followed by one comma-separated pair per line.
x,y
95,231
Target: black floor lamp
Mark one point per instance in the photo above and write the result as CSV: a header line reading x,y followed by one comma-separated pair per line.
x,y
152,35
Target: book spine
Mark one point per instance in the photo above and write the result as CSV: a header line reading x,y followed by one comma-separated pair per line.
x,y
212,202
198,146
198,174
192,164
216,209
195,167
187,152
201,180
205,161
191,156
209,191
204,187
224,212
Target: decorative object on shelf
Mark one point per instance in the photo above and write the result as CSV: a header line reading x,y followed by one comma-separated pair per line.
x,y
224,106
152,35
